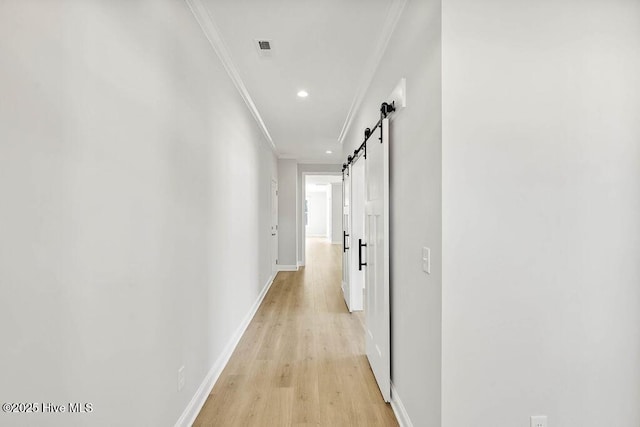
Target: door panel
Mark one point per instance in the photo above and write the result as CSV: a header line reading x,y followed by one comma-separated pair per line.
x,y
357,210
377,313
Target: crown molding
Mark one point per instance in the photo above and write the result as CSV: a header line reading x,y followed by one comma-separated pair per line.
x,y
371,66
210,30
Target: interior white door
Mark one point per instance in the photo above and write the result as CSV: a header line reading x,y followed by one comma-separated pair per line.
x,y
377,309
346,226
274,224
357,216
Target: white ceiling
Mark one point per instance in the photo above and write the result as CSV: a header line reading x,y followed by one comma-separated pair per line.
x,y
321,46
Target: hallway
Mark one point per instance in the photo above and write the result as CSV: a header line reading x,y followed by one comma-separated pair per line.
x,y
159,160
301,360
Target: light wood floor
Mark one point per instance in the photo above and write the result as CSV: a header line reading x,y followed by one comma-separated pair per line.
x,y
301,361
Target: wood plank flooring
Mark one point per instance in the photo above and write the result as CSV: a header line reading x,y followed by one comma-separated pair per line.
x,y
302,360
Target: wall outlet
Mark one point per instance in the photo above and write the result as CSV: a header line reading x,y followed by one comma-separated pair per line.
x,y
181,379
426,260
539,421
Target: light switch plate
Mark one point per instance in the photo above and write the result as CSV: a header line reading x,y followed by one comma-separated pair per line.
x,y
426,260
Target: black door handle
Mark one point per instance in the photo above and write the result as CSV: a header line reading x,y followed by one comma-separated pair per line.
x,y
360,246
344,241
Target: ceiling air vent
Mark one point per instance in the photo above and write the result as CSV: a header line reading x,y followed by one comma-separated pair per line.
x,y
264,47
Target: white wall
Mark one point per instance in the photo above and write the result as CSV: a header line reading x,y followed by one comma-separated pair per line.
x,y
541,181
134,185
415,149
317,214
287,218
304,169
336,213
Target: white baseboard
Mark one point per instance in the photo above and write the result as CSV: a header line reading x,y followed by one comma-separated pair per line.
x,y
300,264
399,409
287,267
197,402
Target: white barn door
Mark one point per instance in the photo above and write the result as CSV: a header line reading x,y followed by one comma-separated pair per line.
x,y
357,236
346,227
377,310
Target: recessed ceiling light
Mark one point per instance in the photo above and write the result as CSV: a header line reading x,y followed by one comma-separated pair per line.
x,y
303,94
328,151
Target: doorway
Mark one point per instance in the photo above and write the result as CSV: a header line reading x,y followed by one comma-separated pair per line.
x,y
322,208
319,195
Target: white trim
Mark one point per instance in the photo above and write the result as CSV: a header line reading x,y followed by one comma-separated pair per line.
x,y
200,397
300,264
371,66
287,267
398,408
210,30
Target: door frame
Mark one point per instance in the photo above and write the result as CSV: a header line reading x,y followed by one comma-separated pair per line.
x,y
275,234
301,227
